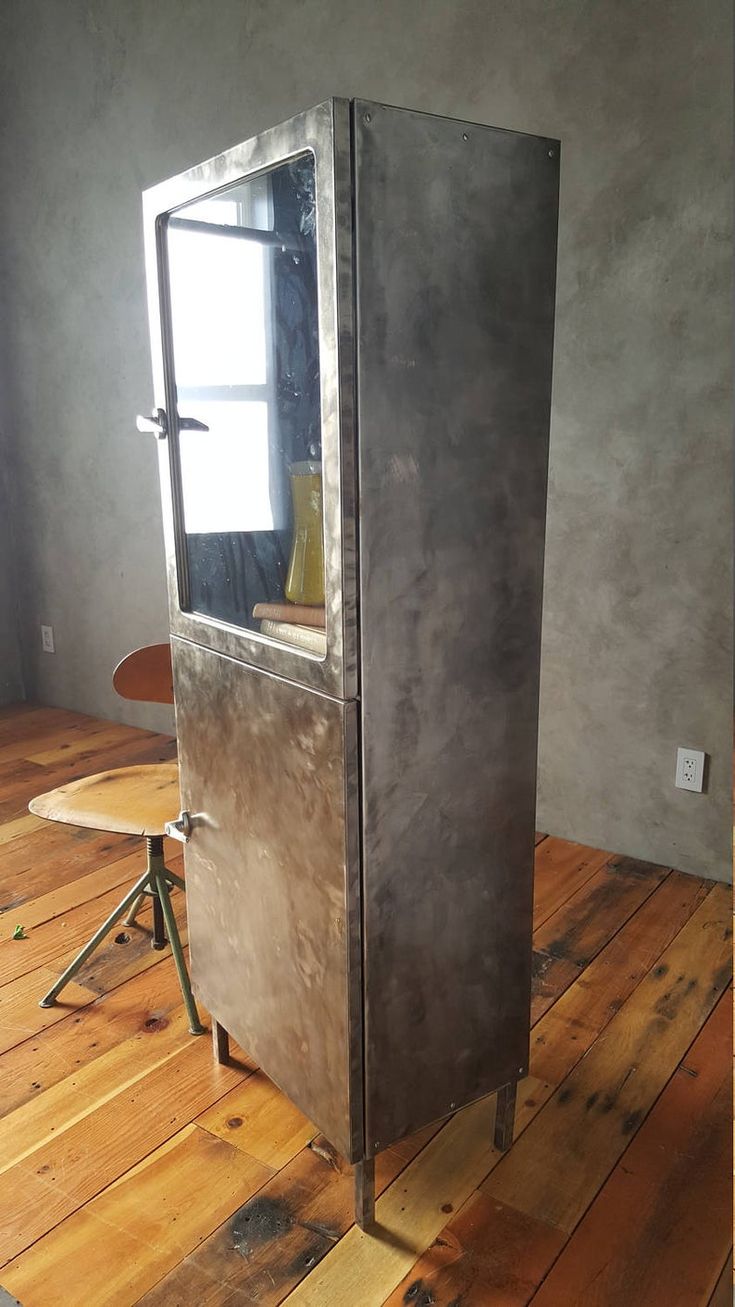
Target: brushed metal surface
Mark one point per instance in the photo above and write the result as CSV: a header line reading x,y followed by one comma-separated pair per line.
x,y
383,987
455,228
324,130
269,778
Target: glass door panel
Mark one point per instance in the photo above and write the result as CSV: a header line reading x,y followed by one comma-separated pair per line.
x,y
242,269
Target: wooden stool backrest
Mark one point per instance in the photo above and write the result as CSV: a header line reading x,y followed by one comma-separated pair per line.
x,y
146,674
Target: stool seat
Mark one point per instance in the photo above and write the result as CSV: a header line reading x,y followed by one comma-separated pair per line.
x,y
128,800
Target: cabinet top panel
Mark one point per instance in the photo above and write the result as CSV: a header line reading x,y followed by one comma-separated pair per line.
x,y
258,151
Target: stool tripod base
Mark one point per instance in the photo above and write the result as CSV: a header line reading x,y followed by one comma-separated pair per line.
x,y
156,881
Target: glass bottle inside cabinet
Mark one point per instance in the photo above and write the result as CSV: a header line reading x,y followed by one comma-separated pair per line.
x,y
244,311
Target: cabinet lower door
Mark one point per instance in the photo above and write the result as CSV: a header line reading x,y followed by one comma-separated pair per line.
x,y
269,776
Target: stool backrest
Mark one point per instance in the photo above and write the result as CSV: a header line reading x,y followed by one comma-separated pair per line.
x,y
146,674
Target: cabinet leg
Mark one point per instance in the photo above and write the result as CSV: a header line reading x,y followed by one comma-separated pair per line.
x,y
220,1042
505,1115
365,1193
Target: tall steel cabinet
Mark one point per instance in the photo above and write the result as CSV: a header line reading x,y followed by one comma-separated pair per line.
x,y
352,326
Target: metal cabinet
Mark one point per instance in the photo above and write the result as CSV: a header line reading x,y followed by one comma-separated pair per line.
x,y
352,327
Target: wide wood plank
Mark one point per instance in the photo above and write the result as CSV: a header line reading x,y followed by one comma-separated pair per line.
x,y
127,951
18,775
487,1254
550,976
22,708
277,1237
142,1005
19,826
498,1254
20,1015
52,939
365,1266
18,789
149,749
54,855
560,868
87,745
555,1171
36,716
274,1240
568,940
580,928
119,872
49,732
657,1233
143,1225
56,1109
570,1028
562,1037
64,1173
258,1118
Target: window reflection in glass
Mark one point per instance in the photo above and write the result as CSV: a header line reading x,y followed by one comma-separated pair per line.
x,y
243,285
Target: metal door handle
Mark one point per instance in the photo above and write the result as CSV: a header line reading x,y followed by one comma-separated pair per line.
x,y
192,424
180,829
157,424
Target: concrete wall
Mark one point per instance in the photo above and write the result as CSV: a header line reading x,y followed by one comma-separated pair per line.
x,y
11,678
112,95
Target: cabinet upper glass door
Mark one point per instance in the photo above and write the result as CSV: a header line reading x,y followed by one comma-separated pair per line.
x,y
249,270
243,290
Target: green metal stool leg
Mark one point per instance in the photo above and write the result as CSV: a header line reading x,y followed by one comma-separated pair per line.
x,y
195,1025
49,999
130,919
159,940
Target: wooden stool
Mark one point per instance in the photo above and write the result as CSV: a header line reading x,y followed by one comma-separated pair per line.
x,y
131,801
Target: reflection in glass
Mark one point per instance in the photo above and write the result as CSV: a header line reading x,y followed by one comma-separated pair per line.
x,y
243,284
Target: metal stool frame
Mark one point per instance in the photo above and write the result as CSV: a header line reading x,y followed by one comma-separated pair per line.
x,y
156,881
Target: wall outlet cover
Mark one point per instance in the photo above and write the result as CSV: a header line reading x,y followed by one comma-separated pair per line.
x,y
690,769
47,639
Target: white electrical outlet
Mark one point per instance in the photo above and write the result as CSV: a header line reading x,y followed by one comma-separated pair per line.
x,y
47,639
690,769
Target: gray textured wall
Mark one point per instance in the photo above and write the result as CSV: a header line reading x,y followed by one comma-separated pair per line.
x,y
109,96
11,675
11,679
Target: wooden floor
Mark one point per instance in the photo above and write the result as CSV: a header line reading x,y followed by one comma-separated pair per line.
x,y
134,1170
